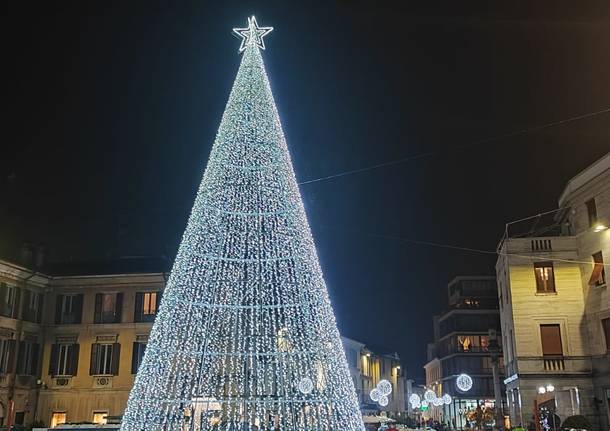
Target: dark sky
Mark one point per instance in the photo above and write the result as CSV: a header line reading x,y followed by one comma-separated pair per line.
x,y
111,109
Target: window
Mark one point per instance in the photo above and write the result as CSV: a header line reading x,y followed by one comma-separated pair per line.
x,y
104,359
592,212
598,276
69,308
147,304
606,328
7,352
64,359
100,417
545,277
137,356
550,336
108,307
8,295
27,362
58,418
32,311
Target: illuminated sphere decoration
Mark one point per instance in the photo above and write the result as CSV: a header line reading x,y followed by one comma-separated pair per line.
x,y
383,400
429,395
384,387
447,399
414,399
245,318
437,402
305,386
375,395
464,382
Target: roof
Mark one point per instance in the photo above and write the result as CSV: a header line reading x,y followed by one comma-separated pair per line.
x,y
584,177
115,266
122,265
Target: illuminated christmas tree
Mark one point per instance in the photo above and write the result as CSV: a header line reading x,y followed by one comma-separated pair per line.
x,y
245,336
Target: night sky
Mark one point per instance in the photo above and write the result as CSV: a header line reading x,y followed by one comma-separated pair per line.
x,y
110,110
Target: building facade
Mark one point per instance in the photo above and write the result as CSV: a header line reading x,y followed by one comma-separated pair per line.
x,y
555,306
71,344
462,339
368,366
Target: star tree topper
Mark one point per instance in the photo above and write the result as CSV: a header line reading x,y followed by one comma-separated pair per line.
x,y
252,35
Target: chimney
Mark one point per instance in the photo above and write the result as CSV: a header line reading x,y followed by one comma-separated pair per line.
x,y
27,254
41,256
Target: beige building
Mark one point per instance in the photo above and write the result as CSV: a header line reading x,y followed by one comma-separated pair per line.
x,y
70,344
555,306
368,367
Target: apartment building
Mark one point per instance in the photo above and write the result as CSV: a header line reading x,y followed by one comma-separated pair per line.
x,y
462,346
72,338
555,306
70,344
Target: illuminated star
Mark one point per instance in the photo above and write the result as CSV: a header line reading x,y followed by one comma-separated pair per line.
x,y
252,35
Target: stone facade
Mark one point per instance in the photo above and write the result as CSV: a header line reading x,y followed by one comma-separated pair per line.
x,y
555,306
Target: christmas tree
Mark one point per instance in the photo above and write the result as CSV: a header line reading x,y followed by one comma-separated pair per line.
x,y
245,337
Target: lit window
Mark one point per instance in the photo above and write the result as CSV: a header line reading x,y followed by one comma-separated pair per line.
x,y
545,277
58,418
149,305
100,417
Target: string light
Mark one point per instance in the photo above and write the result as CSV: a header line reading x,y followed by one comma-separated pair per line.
x,y
246,319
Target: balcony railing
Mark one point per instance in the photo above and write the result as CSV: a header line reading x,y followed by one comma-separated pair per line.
x,y
553,365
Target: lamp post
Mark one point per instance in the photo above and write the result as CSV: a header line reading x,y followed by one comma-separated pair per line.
x,y
494,352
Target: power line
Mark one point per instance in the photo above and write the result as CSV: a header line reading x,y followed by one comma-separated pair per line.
x,y
538,256
471,144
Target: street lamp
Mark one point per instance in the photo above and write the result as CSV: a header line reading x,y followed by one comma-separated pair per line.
x,y
599,227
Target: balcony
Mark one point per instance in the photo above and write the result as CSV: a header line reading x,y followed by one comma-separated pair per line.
x,y
554,365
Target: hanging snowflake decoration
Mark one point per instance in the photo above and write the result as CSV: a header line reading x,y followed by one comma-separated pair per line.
x,y
429,395
464,382
375,395
447,399
383,400
414,399
384,387
305,385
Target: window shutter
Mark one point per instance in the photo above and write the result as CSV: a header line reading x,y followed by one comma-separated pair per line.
x,y
159,295
134,357
93,365
137,316
78,308
16,303
38,307
58,302
118,308
116,353
35,359
53,360
98,308
12,347
20,359
73,368
551,340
